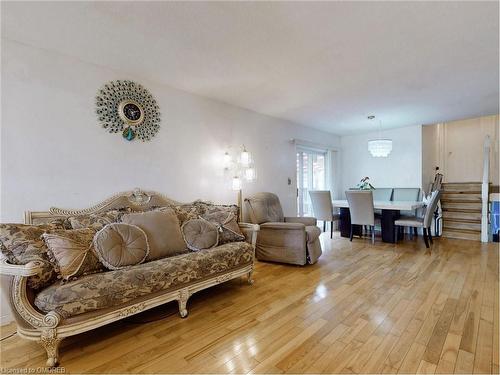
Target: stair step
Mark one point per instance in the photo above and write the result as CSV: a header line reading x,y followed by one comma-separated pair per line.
x,y
462,191
461,234
462,215
461,209
445,205
456,224
473,197
461,206
462,186
462,183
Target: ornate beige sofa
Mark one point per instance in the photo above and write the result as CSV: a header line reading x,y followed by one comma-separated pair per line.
x,y
55,312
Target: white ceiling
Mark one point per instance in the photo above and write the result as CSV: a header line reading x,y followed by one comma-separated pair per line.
x,y
324,64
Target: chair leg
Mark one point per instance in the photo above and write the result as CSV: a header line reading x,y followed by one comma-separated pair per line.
x,y
429,235
350,235
425,238
372,228
415,231
395,234
331,229
324,226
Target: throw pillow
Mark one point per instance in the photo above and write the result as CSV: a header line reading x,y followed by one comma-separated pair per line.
x,y
120,245
229,230
200,234
97,221
21,244
204,208
72,252
183,212
162,230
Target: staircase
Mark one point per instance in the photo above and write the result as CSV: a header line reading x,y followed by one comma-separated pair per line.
x,y
461,206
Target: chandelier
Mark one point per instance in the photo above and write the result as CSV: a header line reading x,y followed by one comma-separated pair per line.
x,y
379,147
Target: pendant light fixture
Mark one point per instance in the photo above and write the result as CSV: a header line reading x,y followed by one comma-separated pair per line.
x,y
379,147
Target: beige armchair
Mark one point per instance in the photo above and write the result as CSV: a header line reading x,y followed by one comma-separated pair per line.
x,y
293,240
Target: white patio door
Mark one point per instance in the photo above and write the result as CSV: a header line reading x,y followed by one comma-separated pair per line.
x,y
311,175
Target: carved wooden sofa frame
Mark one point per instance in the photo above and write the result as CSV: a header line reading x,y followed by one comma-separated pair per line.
x,y
49,329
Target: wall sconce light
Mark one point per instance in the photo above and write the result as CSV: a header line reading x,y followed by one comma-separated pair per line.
x,y
245,157
226,160
250,174
236,183
240,167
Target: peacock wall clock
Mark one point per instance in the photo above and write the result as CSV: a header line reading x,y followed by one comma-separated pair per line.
x,y
127,107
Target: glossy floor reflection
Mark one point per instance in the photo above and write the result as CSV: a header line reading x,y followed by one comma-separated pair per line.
x,y
362,309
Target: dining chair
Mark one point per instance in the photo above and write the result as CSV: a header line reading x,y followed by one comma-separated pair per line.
x,y
421,222
361,210
407,194
323,209
382,194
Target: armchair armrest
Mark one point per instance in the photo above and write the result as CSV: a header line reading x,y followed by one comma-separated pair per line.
x,y
307,221
249,227
250,232
283,226
28,269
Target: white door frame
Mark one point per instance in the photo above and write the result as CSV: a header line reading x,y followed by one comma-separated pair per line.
x,y
301,150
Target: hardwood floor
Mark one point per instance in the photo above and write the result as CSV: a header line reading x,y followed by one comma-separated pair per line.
x,y
362,309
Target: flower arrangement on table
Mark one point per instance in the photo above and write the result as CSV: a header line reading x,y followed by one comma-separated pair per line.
x,y
364,184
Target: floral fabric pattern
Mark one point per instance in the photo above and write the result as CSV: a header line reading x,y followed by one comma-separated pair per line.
x,y
210,208
184,212
114,288
21,244
199,208
97,221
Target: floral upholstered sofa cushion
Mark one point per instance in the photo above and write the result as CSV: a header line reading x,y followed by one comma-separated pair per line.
x,y
22,243
114,288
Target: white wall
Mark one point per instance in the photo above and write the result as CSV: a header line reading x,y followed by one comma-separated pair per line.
x,y
430,154
456,147
402,168
54,153
462,148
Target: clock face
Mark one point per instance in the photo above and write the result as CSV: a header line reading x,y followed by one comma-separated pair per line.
x,y
132,112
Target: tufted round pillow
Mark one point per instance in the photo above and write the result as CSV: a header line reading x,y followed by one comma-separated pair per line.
x,y
120,245
200,234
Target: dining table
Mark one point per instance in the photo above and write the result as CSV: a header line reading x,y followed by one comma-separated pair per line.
x,y
391,211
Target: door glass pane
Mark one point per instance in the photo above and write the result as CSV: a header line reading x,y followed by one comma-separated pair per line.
x,y
311,175
319,172
306,172
299,184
